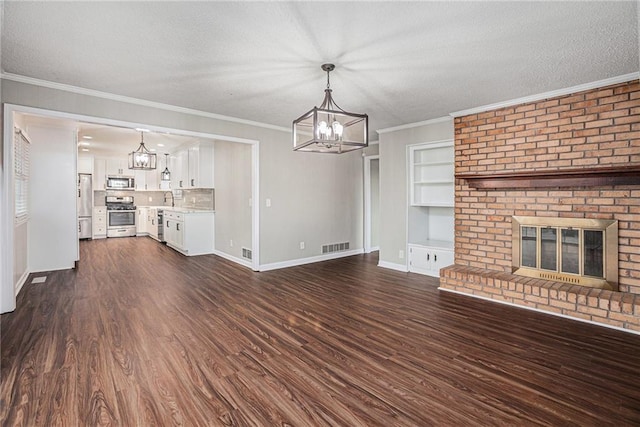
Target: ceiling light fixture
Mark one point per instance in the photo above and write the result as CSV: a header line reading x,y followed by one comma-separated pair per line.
x,y
328,128
87,137
142,158
166,175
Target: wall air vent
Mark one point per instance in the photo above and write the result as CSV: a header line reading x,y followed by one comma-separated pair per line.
x,y
246,253
335,247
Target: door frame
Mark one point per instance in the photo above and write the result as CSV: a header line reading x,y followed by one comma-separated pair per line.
x,y
367,203
8,296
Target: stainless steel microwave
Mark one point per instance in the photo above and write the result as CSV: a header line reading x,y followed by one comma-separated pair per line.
x,y
120,182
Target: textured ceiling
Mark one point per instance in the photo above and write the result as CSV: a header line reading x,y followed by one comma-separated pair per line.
x,y
400,62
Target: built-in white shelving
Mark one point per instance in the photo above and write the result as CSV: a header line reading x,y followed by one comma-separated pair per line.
x,y
430,213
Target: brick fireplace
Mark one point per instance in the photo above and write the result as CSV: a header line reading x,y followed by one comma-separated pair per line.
x,y
573,156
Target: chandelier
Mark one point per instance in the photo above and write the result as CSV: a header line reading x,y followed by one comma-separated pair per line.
x,y
328,128
142,158
166,175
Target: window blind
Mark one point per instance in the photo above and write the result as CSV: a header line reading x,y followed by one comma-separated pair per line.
x,y
21,148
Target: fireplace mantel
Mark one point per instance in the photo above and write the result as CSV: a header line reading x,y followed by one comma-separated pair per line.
x,y
580,177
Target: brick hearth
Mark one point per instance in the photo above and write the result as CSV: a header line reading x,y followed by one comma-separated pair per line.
x,y
591,129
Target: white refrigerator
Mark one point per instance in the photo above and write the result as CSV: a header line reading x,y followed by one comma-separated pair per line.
x,y
85,203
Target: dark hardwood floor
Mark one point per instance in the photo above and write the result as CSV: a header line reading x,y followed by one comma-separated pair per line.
x,y
139,335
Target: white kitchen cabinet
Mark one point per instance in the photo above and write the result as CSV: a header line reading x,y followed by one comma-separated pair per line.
x,y
85,164
200,165
179,169
431,170
146,180
99,222
174,229
190,233
141,221
152,180
192,167
140,177
99,174
118,166
152,222
430,259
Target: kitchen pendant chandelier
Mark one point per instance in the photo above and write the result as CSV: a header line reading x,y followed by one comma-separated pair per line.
x,y
328,128
166,175
142,158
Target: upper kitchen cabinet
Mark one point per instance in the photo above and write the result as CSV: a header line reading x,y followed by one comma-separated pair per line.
x,y
192,167
118,166
147,180
201,165
85,164
99,174
152,179
140,179
179,169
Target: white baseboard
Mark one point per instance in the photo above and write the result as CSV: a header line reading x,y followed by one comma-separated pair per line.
x,y
243,262
393,266
310,260
23,279
540,311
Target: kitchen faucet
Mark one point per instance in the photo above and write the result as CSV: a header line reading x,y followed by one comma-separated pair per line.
x,y
173,205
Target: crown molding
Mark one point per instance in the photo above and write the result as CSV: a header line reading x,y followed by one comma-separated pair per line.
x,y
130,100
552,94
415,125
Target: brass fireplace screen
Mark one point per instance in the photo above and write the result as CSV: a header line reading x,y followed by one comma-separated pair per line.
x,y
572,250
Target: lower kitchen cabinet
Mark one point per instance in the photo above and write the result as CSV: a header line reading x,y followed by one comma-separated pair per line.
x,y
99,222
152,222
141,221
430,259
190,233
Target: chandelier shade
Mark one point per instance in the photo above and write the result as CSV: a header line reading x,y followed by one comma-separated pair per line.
x,y
329,128
142,159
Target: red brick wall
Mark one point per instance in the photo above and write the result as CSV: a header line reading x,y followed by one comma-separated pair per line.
x,y
596,128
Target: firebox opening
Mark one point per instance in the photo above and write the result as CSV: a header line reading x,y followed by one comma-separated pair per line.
x,y
577,251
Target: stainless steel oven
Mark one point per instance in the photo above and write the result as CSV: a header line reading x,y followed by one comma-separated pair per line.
x,y
121,216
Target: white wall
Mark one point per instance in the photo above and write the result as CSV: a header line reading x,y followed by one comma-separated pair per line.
x,y
393,183
315,199
52,199
232,170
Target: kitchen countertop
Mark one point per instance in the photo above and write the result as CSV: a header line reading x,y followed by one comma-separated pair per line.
x,y
179,209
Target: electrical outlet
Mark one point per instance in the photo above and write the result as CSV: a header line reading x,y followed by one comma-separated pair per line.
x,y
401,254
150,199
301,245
268,203
231,243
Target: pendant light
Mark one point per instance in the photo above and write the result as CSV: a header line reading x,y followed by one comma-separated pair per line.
x,y
329,128
142,159
166,175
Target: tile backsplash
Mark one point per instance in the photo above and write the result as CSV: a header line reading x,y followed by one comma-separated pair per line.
x,y
199,198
